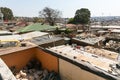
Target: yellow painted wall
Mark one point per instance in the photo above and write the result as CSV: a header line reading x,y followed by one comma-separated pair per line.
x,y
21,58
18,59
69,71
48,61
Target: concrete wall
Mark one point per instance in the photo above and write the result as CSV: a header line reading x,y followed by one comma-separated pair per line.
x,y
69,71
21,58
48,61
18,59
52,44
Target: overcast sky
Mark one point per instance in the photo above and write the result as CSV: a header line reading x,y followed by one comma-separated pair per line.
x,y
31,8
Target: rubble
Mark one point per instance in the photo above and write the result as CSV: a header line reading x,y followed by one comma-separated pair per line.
x,y
102,52
33,71
113,45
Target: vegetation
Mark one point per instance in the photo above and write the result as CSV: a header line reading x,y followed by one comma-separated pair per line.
x,y
82,16
37,20
7,12
50,15
71,21
59,31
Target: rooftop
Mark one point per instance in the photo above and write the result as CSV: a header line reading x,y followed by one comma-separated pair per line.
x,y
45,39
36,27
34,34
88,38
80,56
106,27
25,36
102,52
10,37
9,50
5,32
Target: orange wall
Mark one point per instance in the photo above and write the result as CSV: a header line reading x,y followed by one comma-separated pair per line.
x,y
21,58
48,61
18,59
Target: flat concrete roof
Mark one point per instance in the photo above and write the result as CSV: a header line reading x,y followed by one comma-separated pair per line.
x,y
91,41
9,50
5,32
115,30
88,38
93,61
102,52
106,27
45,39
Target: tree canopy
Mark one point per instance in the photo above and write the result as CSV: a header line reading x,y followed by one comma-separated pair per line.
x,y
71,20
50,15
7,12
82,16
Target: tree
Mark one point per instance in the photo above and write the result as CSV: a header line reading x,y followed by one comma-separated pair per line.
x,y
82,16
7,12
71,21
50,15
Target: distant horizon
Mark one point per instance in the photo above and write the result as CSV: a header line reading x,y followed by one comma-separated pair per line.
x,y
31,8
68,17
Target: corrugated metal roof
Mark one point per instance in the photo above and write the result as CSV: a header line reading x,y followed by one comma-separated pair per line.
x,y
45,39
36,27
25,36
5,32
106,27
10,37
31,35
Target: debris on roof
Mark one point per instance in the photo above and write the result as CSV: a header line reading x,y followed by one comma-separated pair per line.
x,y
80,55
88,39
33,71
102,52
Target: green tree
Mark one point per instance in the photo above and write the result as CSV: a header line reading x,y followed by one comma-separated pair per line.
x,y
50,15
7,12
82,16
71,20
35,19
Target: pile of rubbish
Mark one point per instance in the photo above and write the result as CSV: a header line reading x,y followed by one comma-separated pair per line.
x,y
113,45
33,71
86,35
101,52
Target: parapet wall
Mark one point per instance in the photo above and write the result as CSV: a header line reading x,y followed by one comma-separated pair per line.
x,y
19,59
49,61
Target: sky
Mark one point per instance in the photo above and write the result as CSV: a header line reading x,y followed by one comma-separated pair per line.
x,y
31,8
